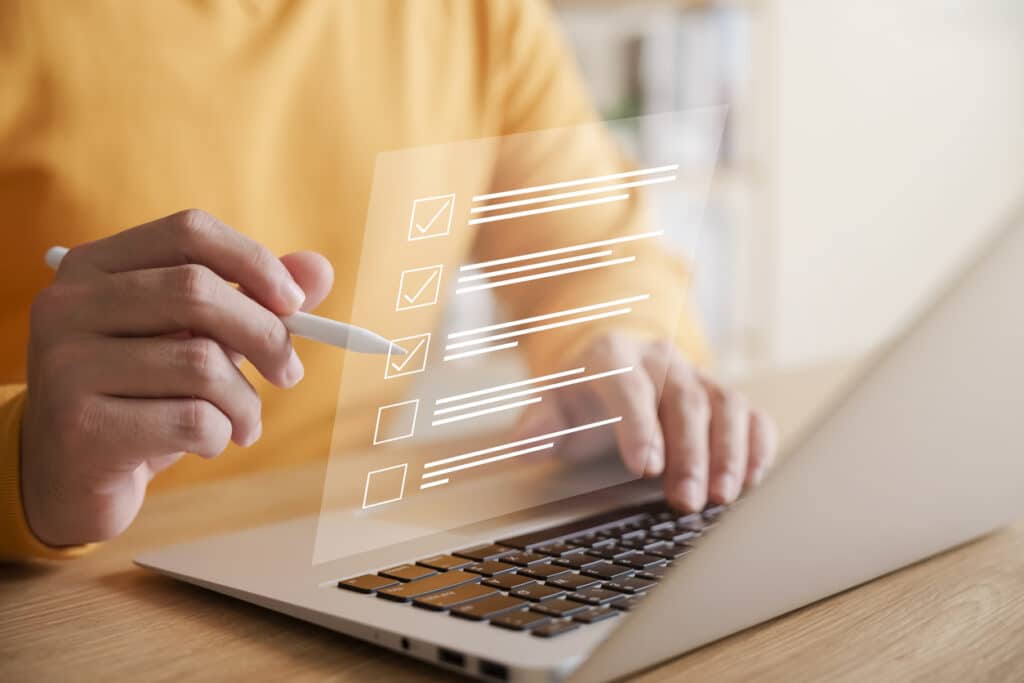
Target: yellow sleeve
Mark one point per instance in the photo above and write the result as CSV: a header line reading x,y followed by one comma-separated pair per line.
x,y
540,89
16,540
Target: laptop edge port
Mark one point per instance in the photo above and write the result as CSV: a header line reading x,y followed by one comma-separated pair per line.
x,y
451,657
494,670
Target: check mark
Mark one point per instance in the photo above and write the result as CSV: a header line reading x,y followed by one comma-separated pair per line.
x,y
415,360
408,357
433,219
422,288
429,281
440,209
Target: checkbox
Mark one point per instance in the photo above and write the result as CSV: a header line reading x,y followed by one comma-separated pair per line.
x,y
396,421
419,287
414,360
431,217
384,486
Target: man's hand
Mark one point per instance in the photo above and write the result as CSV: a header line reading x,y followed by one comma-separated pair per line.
x,y
133,361
676,422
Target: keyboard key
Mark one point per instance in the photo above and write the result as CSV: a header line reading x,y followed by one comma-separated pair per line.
x,y
629,585
407,572
432,584
560,532
689,519
482,553
537,592
577,561
454,597
507,582
367,583
555,628
490,568
592,615
669,551
640,561
595,596
712,512
606,570
520,621
589,540
543,571
443,563
652,574
611,552
485,608
524,559
629,602
674,536
572,582
559,549
559,607
697,525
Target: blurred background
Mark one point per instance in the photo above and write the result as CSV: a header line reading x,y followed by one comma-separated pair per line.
x,y
869,147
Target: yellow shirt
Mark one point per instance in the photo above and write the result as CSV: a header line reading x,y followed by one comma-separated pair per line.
x,y
268,115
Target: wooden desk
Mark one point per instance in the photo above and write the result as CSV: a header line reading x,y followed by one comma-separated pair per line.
x,y
957,616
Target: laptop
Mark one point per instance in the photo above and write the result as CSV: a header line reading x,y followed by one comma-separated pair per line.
x,y
920,454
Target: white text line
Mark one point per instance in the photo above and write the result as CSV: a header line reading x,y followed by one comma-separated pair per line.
x,y
532,439
561,250
534,390
574,183
542,276
486,411
549,209
487,461
570,195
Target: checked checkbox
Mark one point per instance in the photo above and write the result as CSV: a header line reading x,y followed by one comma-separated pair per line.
x,y
419,287
431,217
415,359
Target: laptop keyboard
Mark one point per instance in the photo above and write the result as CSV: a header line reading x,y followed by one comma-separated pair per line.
x,y
553,580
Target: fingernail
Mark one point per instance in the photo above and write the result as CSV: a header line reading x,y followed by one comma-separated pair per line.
x,y
294,295
757,476
294,371
655,463
255,436
692,494
726,487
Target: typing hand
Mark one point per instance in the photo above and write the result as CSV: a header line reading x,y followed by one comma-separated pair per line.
x,y
702,437
133,359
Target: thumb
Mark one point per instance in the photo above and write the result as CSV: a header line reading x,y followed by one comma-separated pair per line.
x,y
313,273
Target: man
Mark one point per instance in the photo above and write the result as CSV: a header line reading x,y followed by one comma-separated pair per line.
x,y
267,116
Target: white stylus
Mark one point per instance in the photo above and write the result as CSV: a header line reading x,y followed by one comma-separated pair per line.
x,y
303,324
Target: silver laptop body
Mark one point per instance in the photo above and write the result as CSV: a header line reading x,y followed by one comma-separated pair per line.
x,y
923,453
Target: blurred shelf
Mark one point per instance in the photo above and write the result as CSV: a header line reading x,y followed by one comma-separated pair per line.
x,y
681,4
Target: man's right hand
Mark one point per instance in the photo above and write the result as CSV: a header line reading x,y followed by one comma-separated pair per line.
x,y
133,361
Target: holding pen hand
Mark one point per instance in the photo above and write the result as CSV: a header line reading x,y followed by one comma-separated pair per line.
x,y
133,362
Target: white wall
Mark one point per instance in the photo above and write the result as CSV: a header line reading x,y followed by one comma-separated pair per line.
x,y
900,144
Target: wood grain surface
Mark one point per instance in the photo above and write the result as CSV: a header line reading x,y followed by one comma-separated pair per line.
x,y
958,616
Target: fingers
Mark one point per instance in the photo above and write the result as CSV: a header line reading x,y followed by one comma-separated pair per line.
x,y
632,395
730,421
313,273
685,419
194,237
763,445
126,432
153,302
173,368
